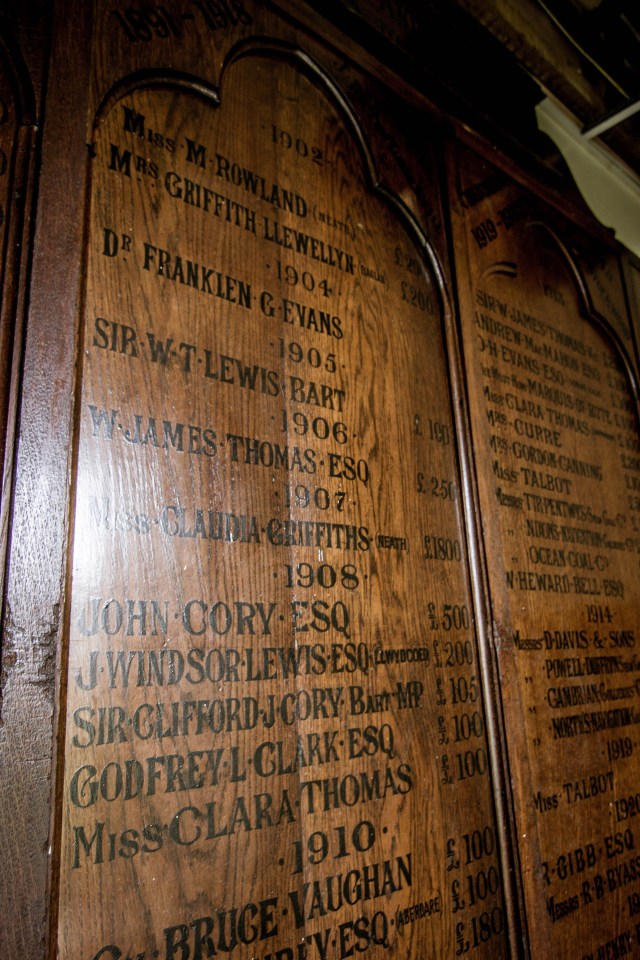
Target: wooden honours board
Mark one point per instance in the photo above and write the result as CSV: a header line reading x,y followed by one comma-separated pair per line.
x,y
318,693
557,446
275,741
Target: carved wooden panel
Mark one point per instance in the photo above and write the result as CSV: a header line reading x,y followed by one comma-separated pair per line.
x,y
557,446
244,534
275,741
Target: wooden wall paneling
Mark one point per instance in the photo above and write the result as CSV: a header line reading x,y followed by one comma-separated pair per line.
x,y
555,435
13,154
257,473
26,660
271,728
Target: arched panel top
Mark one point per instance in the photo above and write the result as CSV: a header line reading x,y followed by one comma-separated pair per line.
x,y
564,259
271,48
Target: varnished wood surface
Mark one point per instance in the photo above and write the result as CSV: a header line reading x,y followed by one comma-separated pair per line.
x,y
266,476
240,431
556,445
27,642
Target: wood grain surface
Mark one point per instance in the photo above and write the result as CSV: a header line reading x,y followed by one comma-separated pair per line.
x,y
275,741
556,444
321,598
